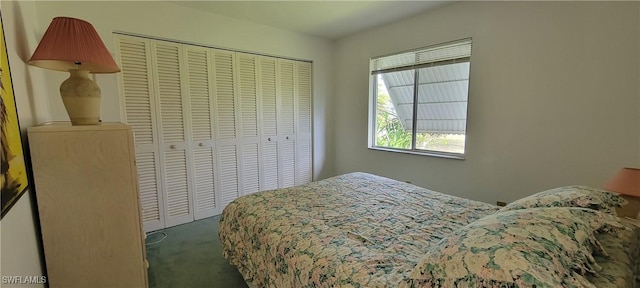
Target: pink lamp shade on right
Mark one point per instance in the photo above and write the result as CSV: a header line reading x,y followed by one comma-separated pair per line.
x,y
625,182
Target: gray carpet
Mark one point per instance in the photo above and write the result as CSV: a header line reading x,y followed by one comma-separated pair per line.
x,y
190,256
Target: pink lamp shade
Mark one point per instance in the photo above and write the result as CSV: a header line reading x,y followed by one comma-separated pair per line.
x,y
626,182
71,43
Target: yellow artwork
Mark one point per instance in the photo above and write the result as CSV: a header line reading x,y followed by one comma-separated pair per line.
x,y
14,173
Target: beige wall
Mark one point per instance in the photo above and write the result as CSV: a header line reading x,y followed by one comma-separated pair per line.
x,y
554,96
19,240
38,98
166,20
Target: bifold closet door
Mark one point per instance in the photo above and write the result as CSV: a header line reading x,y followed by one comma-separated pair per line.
x,y
175,152
249,140
139,112
153,86
304,157
287,137
285,96
211,125
227,126
270,170
201,98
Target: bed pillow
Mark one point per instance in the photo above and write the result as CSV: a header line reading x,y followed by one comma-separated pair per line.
x,y
570,196
538,247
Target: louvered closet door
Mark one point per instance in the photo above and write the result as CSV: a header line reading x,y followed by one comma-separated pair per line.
x,y
139,112
249,138
211,125
199,72
173,132
268,123
286,144
304,170
227,124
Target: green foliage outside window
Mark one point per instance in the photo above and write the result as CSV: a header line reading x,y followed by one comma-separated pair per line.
x,y
389,129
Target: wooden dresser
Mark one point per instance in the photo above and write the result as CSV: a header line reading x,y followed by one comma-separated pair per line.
x,y
87,194
632,209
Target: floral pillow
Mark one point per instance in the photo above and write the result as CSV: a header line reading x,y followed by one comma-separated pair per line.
x,y
570,196
538,247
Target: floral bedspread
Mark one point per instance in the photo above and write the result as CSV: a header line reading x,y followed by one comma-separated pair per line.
x,y
352,230
620,268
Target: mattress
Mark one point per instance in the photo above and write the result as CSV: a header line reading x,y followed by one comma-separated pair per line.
x,y
363,230
620,266
352,230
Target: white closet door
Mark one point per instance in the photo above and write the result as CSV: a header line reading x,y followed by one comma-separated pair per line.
x,y
304,163
287,97
227,126
287,159
173,132
211,125
268,123
138,111
228,161
225,94
249,137
201,110
270,169
248,94
250,168
286,144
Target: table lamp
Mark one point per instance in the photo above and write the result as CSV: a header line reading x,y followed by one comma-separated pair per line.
x,y
73,45
627,183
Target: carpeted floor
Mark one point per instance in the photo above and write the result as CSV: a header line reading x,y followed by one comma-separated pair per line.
x,y
190,257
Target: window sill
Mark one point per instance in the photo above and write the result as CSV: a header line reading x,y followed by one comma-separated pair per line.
x,y
422,153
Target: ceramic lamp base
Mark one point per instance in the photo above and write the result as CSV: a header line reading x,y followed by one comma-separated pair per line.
x,y
81,98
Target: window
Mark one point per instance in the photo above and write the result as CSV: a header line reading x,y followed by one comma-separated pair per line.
x,y
419,100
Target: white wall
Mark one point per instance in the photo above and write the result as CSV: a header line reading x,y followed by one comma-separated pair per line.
x,y
546,107
38,98
554,96
20,241
166,20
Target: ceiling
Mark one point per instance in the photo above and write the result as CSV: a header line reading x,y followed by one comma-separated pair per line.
x,y
326,19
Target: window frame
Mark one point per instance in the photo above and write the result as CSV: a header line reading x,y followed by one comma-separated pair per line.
x,y
373,92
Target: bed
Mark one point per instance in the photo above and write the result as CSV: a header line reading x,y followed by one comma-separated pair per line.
x,y
363,230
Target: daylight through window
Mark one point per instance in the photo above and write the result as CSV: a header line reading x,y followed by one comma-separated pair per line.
x,y
419,100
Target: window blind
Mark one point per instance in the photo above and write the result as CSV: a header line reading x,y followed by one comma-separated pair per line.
x,y
442,54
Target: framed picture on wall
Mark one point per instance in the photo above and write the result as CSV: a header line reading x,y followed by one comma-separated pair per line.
x,y
13,178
